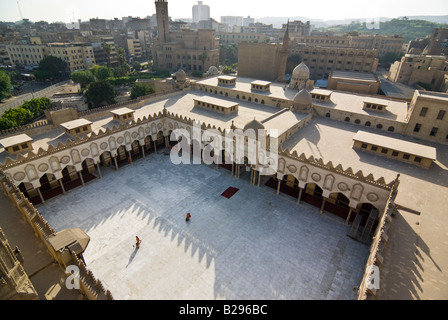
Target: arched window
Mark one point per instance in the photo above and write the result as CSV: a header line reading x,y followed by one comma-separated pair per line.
x,y
357,121
328,115
379,126
391,129
347,119
368,124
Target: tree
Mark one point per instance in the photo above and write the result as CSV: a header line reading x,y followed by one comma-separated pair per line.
x,y
101,73
52,67
100,92
227,69
203,57
84,78
18,116
107,48
137,66
5,85
37,105
123,67
140,90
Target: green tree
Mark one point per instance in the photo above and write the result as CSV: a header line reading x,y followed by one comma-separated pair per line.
x,y
52,67
123,67
18,116
5,85
137,66
37,105
100,92
140,90
6,123
227,69
84,78
101,73
203,57
107,48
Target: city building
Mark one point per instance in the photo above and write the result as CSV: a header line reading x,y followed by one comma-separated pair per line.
x,y
201,12
185,49
424,70
367,83
322,60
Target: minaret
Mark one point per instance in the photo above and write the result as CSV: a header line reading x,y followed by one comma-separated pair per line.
x,y
163,21
284,53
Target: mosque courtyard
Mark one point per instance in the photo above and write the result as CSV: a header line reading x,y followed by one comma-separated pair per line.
x,y
254,245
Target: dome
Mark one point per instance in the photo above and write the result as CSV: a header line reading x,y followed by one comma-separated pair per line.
x,y
254,125
213,71
181,75
301,72
303,98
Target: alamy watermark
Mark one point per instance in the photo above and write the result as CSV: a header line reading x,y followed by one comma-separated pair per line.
x,y
72,281
248,147
373,281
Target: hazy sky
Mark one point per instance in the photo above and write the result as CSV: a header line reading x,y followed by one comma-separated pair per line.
x,y
69,11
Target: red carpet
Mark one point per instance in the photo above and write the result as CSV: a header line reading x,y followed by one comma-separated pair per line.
x,y
230,192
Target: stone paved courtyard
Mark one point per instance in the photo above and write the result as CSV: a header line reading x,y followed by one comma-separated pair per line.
x,y
255,245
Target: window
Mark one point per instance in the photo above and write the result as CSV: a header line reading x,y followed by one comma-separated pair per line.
x,y
441,115
15,148
391,129
384,150
357,121
406,156
395,153
417,127
418,159
423,112
347,119
379,126
434,131
24,146
374,148
364,146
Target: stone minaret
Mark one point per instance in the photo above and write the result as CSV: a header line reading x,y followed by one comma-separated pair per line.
x,y
284,53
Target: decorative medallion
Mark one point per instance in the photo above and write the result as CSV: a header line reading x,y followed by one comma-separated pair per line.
x,y
316,177
293,169
19,176
134,135
342,186
65,159
372,197
43,167
104,146
170,125
85,152
148,130
120,140
159,125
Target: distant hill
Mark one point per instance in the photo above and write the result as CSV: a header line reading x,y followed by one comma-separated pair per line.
x,y
408,29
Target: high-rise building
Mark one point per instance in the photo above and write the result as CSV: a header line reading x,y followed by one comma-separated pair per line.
x,y
201,12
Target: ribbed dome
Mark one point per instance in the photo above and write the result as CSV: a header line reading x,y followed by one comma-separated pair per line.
x,y
255,125
181,75
301,72
303,98
213,70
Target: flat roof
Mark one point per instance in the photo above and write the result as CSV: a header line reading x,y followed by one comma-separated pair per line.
x,y
122,111
216,101
396,144
434,95
15,140
227,77
75,124
358,76
260,83
321,92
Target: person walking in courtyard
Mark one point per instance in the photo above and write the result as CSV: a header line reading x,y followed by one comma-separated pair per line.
x,y
137,242
188,217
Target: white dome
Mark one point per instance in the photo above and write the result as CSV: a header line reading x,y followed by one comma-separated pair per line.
x,y
301,72
213,71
